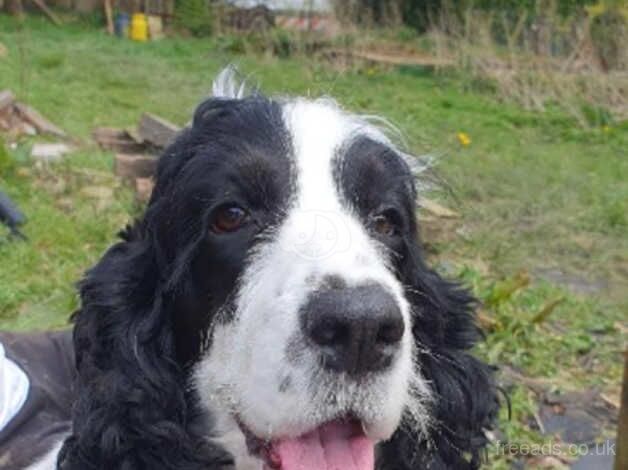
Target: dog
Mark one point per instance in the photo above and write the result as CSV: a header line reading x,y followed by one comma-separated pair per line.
x,y
272,308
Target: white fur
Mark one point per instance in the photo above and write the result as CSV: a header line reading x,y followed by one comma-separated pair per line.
x,y
49,460
247,361
226,85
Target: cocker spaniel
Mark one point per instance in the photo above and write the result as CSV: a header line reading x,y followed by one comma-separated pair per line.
x,y
272,309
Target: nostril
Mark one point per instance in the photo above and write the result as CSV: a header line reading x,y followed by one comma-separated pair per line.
x,y
333,282
390,332
329,332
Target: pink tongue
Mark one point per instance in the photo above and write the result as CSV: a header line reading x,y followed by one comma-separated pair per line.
x,y
338,445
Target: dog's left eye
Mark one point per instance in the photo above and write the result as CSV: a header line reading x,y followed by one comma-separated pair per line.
x,y
386,224
228,218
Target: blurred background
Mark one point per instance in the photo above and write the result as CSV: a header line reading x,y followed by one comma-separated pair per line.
x,y
520,106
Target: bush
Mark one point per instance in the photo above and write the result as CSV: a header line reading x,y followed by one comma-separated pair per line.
x,y
282,43
194,16
609,32
419,14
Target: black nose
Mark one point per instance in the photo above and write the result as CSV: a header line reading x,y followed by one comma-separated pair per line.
x,y
356,329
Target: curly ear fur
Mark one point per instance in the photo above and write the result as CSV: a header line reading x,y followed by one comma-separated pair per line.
x,y
465,397
132,411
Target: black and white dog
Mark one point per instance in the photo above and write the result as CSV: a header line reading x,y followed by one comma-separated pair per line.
x,y
272,309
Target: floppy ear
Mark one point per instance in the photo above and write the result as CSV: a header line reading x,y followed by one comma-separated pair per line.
x,y
133,410
465,400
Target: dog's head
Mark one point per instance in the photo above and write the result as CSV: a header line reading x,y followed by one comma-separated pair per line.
x,y
280,277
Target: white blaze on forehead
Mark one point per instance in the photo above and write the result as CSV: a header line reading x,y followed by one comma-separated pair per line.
x,y
318,129
320,227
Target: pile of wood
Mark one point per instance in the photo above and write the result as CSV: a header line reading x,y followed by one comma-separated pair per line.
x,y
18,119
137,150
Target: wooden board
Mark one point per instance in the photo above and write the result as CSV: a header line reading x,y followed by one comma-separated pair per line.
x,y
47,11
132,166
6,99
156,130
437,209
41,123
144,189
391,58
109,16
118,140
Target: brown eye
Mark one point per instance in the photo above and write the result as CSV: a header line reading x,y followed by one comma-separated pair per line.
x,y
228,219
383,225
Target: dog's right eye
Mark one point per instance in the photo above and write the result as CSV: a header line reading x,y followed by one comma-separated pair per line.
x,y
228,218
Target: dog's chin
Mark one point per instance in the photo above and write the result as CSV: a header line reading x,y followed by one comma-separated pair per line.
x,y
342,443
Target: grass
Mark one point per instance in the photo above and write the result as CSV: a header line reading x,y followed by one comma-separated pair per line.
x,y
534,191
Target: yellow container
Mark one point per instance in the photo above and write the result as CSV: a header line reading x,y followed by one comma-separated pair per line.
x,y
139,27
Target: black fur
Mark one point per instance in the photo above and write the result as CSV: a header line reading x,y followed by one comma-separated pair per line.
x,y
148,303
373,178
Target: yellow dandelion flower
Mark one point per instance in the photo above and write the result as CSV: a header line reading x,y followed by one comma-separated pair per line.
x,y
464,139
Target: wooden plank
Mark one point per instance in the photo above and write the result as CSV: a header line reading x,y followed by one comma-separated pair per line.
x,y
393,58
49,152
106,133
123,145
133,166
133,135
41,123
144,189
156,130
6,99
109,16
437,209
47,11
118,140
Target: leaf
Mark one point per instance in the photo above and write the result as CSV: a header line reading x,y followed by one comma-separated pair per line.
x,y
437,209
504,290
488,322
547,310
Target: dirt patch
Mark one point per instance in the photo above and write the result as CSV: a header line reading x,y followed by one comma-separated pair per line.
x,y
572,282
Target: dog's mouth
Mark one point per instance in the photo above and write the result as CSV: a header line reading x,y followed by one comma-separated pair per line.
x,y
339,444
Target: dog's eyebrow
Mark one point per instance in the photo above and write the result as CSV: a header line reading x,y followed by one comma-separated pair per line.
x,y
366,152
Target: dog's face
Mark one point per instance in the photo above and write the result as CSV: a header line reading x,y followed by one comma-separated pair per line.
x,y
300,215
275,283
317,326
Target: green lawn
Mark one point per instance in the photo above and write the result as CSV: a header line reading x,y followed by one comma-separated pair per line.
x,y
535,193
